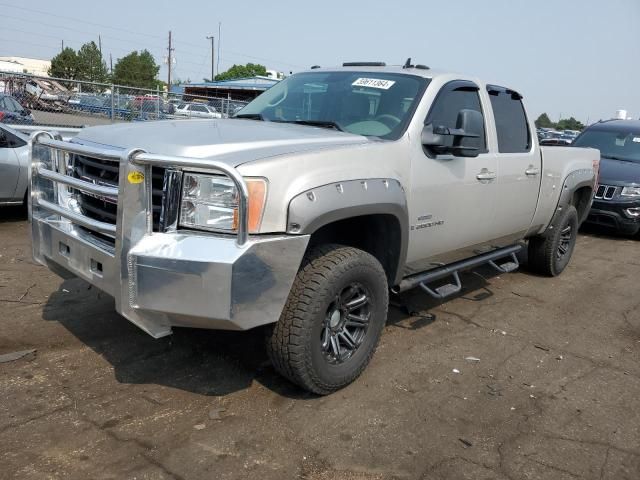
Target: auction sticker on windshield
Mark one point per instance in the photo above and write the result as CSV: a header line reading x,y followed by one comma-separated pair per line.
x,y
373,83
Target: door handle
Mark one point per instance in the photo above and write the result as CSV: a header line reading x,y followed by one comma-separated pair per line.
x,y
532,171
486,175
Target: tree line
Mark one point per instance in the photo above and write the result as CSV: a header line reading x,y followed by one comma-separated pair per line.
x,y
137,69
543,121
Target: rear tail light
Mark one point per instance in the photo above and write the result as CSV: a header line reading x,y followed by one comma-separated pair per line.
x,y
1,116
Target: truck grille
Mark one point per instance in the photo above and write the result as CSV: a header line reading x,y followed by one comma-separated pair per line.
x,y
605,192
101,172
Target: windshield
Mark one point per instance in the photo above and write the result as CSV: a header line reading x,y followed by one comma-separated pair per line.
x,y
618,145
364,103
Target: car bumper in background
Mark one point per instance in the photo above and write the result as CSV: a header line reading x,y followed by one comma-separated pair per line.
x,y
616,215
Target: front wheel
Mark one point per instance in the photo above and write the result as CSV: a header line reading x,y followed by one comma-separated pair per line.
x,y
550,254
331,324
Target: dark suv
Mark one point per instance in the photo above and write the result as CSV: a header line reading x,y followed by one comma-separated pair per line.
x,y
616,203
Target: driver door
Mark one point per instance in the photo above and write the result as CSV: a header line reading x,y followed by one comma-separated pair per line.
x,y
452,197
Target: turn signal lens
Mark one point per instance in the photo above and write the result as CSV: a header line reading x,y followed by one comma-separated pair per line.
x,y
257,197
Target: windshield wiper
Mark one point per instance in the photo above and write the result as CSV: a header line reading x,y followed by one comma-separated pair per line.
x,y
613,157
250,116
315,123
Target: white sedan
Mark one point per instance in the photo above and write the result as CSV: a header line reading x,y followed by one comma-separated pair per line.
x,y
14,164
197,110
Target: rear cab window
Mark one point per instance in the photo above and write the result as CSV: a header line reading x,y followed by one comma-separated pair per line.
x,y
511,122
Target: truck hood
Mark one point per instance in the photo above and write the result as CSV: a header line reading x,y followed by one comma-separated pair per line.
x,y
619,172
233,141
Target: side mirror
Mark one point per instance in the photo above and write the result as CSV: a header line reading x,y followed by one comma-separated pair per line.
x,y
26,111
433,136
462,141
471,125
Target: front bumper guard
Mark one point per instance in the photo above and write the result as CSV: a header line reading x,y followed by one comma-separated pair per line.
x,y
158,279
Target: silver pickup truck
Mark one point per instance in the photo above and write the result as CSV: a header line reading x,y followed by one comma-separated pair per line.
x,y
303,212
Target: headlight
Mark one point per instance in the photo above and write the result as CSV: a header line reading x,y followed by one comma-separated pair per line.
x,y
211,202
630,192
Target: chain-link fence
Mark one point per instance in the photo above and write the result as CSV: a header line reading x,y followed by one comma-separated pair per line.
x,y
31,100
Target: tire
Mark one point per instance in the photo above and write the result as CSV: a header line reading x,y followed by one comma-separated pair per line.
x,y
550,254
302,345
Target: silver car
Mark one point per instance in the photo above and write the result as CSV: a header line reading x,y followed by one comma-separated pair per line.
x,y
14,161
197,110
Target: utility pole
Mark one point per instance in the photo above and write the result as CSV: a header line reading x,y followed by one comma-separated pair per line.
x,y
110,64
169,63
61,45
100,44
219,42
213,42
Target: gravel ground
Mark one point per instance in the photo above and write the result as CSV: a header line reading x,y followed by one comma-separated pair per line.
x,y
552,391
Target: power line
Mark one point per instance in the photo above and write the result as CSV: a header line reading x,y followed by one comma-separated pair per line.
x,y
83,21
177,42
155,50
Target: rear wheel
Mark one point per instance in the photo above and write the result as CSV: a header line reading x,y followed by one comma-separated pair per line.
x,y
333,319
550,254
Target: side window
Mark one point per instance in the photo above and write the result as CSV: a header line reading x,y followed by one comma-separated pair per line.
x,y
511,120
199,108
446,111
4,106
16,106
9,140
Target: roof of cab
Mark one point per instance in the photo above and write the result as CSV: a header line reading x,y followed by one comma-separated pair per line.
x,y
622,126
422,72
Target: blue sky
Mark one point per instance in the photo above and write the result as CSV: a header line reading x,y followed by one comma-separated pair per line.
x,y
572,57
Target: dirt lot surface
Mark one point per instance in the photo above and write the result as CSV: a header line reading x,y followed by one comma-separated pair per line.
x,y
552,390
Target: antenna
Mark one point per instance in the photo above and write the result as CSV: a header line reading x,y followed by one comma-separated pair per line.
x,y
407,64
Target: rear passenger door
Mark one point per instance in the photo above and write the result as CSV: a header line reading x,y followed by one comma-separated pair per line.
x,y
519,165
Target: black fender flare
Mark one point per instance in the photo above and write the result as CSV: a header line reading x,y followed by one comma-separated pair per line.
x,y
575,180
322,205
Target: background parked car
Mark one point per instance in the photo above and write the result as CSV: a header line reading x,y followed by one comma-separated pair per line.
x,y
90,104
121,106
12,112
150,108
555,142
197,110
14,162
616,203
235,107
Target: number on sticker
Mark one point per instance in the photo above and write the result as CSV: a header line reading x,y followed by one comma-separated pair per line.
x,y
374,83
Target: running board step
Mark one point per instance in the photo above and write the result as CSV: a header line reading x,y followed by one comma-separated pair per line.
x,y
453,269
444,291
506,267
